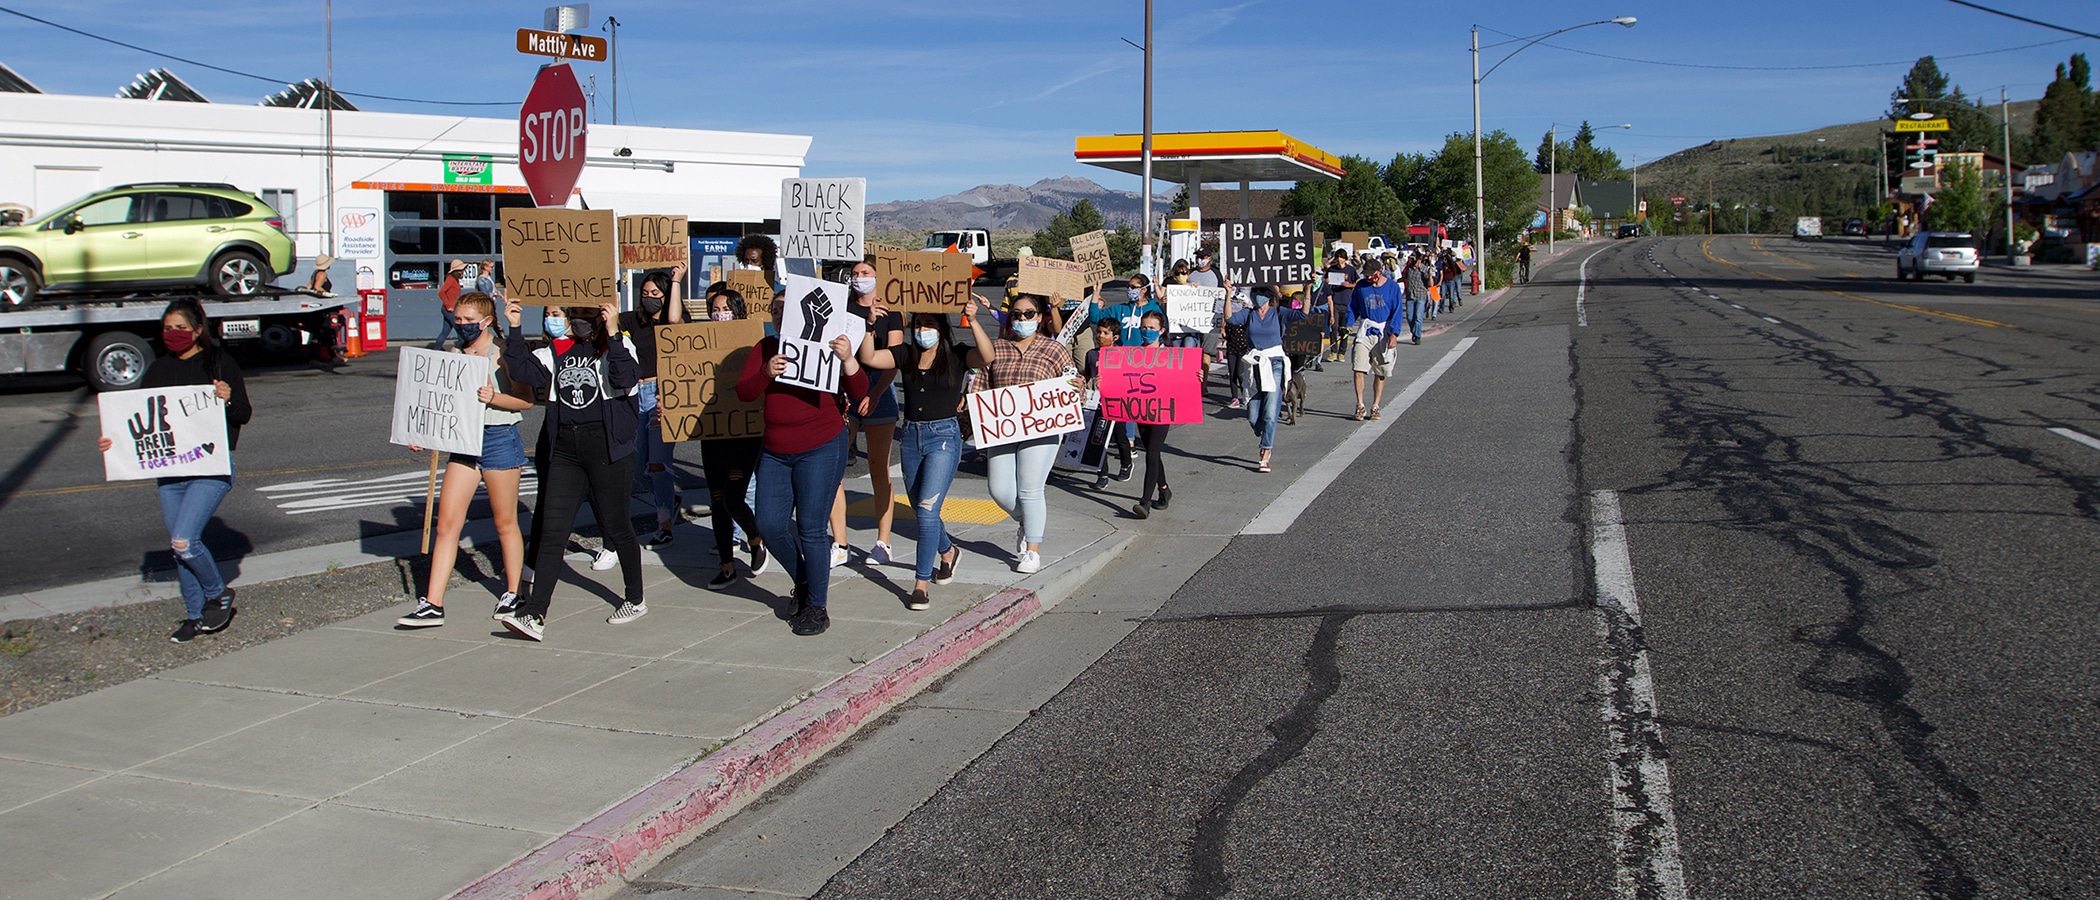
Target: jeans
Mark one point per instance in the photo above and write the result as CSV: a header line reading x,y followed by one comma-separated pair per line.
x,y
931,452
1016,473
578,466
795,491
653,456
451,326
1266,405
186,506
730,464
1450,294
1414,316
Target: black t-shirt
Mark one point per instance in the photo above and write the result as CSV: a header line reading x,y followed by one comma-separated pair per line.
x,y
577,386
639,329
930,398
879,327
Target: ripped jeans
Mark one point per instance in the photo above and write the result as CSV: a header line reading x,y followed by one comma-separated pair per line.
x,y
186,506
931,452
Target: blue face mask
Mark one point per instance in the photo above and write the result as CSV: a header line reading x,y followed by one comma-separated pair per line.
x,y
468,332
1261,299
555,326
926,338
1024,328
1137,295
1149,335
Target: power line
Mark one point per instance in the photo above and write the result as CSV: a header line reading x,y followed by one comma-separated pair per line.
x,y
1871,65
206,65
2000,12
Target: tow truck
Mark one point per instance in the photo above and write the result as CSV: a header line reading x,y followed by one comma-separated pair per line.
x,y
108,340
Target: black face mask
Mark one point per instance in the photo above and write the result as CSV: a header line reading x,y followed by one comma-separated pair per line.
x,y
652,305
582,329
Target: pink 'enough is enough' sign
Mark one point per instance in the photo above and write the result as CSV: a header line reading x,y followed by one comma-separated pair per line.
x,y
1152,385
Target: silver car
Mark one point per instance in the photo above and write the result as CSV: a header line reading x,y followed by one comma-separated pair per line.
x,y
1943,253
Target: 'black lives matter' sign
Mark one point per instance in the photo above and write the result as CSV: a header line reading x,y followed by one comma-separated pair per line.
x,y
1268,251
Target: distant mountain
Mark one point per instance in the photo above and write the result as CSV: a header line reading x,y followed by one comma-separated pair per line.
x,y
997,206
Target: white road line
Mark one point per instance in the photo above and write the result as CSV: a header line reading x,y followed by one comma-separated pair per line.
x,y
1769,319
1736,305
1582,289
2078,436
1285,509
1643,816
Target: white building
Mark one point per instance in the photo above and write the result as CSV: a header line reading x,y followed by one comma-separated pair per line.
x,y
440,181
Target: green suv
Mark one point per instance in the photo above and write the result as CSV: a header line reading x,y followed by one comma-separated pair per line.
x,y
168,235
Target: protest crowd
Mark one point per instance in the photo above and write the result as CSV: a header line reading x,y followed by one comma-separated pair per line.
x,y
1071,368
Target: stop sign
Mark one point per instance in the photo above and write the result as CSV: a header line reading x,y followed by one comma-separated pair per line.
x,y
551,130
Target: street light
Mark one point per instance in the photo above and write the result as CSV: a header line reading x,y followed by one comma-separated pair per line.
x,y
1479,179
1553,181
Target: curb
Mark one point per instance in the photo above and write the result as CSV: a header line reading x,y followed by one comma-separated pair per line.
x,y
596,858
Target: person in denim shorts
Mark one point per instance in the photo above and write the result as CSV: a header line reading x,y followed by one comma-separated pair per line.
x,y
499,466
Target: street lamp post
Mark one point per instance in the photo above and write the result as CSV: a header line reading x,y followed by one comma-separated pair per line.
x,y
1479,179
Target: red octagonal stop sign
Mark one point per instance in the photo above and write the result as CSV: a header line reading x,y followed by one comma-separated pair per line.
x,y
551,131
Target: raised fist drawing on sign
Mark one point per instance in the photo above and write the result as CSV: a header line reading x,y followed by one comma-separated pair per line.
x,y
816,312
155,419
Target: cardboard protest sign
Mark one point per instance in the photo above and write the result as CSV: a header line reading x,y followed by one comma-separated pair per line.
x,y
1357,240
1047,277
1091,250
1191,308
437,400
814,312
697,366
1304,336
923,281
1083,449
561,257
878,248
823,218
169,432
1026,411
1268,251
654,242
756,289
1152,385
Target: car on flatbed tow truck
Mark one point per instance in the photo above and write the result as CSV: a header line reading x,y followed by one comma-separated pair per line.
x,y
163,236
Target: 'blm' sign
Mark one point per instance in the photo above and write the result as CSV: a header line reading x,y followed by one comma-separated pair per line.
x,y
1268,251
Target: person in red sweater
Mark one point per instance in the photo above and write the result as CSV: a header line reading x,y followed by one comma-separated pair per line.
x,y
801,469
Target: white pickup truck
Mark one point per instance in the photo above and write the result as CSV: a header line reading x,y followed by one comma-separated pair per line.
x,y
976,242
1807,227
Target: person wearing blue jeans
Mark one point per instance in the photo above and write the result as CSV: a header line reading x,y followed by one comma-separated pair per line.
x,y
931,369
1417,278
187,503
1265,325
1022,354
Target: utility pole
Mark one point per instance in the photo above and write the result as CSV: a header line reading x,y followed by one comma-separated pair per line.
x,y
2005,121
1145,151
613,53
1480,244
328,120
1552,185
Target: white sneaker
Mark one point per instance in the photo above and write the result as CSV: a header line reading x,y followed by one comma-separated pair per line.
x,y
628,612
880,555
839,555
1030,563
605,560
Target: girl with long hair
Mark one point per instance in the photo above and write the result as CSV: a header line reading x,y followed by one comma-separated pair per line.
x,y
874,415
187,504
931,368
1023,353
729,464
657,302
498,468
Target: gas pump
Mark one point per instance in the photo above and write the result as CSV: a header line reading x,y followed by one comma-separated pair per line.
x,y
1184,236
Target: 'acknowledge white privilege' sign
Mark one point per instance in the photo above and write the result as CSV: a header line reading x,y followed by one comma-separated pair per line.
x,y
174,432
813,312
437,400
1192,308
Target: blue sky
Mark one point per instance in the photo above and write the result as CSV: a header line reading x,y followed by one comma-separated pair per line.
x,y
928,98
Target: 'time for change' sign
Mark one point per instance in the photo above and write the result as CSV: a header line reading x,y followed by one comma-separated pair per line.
x,y
1268,251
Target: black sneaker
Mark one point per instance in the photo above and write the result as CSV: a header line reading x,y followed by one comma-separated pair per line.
x,y
811,620
424,616
1101,483
919,600
218,613
508,603
660,538
944,571
1124,474
724,579
1142,510
186,630
1165,494
759,560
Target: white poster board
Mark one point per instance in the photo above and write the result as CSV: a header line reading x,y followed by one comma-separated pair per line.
x,y
1191,308
1024,412
813,312
437,400
823,218
357,232
165,433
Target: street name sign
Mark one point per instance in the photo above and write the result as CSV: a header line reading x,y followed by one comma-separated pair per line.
x,y
564,46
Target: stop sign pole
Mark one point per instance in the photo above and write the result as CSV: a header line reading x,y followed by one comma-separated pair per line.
x,y
551,135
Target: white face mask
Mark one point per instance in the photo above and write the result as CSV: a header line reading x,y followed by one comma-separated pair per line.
x,y
722,316
864,284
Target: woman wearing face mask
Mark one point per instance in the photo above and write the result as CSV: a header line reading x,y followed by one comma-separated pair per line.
x,y
589,377
1269,368
1017,471
499,466
187,504
931,369
658,302
729,464
801,469
875,415
1152,332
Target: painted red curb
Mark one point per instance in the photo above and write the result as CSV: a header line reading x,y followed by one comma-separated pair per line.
x,y
630,837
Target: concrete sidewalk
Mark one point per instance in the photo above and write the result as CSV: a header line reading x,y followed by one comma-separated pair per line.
x,y
358,760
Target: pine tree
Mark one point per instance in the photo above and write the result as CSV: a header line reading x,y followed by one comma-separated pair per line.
x,y
2067,118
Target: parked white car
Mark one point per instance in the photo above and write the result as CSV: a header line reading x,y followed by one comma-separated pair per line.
x,y
1943,253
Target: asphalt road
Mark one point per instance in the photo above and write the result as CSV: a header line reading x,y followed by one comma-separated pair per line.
x,y
1860,662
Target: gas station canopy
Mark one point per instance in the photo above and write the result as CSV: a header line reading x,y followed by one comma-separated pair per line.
x,y
1212,156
